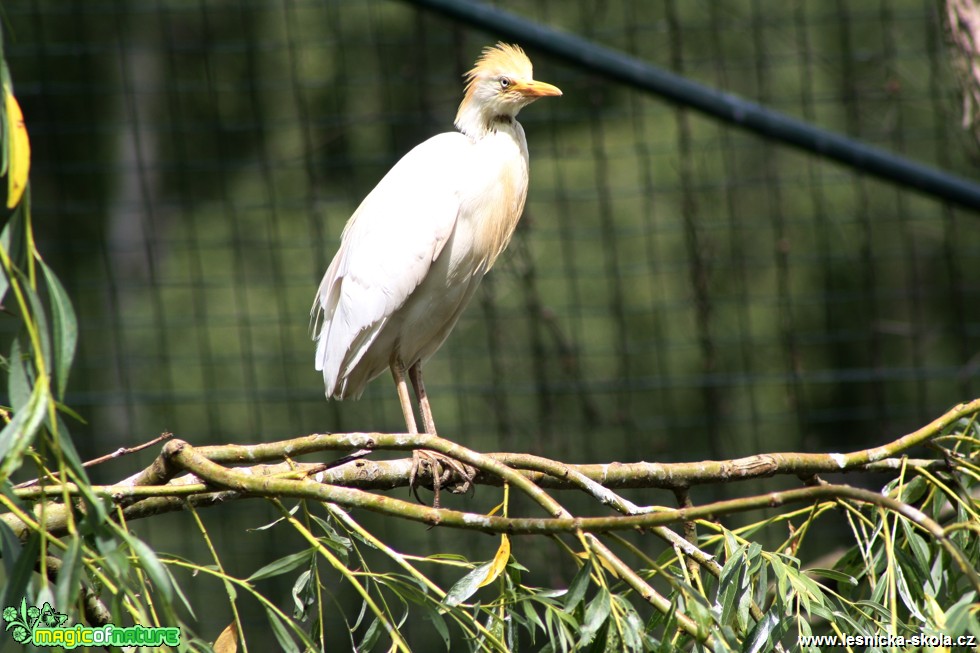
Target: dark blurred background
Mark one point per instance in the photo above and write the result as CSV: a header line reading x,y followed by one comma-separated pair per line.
x,y
678,289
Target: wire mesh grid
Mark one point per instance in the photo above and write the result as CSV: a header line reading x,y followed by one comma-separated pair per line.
x,y
673,279
677,289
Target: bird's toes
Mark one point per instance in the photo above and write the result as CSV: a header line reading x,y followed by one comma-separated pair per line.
x,y
460,478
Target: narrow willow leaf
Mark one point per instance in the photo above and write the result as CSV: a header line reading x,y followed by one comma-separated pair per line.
x,y
959,616
16,586
18,377
531,619
917,545
12,242
759,637
438,622
884,614
67,449
371,636
596,614
69,581
283,565
744,607
302,594
499,562
762,584
576,590
10,545
833,574
905,592
180,594
730,584
64,326
632,625
467,585
152,566
286,642
339,543
18,435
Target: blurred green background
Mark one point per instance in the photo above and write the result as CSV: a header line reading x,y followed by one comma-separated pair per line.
x,y
677,290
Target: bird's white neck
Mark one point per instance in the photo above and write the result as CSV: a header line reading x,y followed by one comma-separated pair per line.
x,y
476,122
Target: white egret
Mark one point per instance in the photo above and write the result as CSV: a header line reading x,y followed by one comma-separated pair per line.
x,y
416,249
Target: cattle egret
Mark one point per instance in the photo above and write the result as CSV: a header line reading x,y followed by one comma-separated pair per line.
x,y
416,249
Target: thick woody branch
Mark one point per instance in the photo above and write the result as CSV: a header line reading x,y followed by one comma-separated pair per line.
x,y
156,490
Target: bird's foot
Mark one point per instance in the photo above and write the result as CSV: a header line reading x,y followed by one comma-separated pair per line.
x,y
446,472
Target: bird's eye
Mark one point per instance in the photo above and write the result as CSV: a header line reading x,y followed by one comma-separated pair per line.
x,y
505,82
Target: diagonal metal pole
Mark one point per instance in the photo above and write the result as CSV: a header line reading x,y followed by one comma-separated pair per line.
x,y
730,108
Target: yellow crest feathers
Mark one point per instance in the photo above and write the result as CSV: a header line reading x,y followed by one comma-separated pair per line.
x,y
499,59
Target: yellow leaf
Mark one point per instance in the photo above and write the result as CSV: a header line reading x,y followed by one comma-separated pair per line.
x,y
227,641
499,561
18,150
937,613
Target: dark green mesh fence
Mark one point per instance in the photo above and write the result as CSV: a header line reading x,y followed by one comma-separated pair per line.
x,y
673,281
678,289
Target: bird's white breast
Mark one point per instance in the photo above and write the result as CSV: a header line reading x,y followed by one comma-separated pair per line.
x,y
414,252
493,194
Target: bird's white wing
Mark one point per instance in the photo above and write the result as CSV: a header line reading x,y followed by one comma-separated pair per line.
x,y
385,252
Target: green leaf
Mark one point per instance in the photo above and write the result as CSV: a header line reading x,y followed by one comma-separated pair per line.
x,y
302,594
596,614
759,637
532,617
69,581
960,614
64,326
283,565
18,435
18,378
884,614
833,574
342,545
856,628
576,589
632,625
37,323
371,636
286,642
180,594
151,565
905,592
761,584
914,490
438,621
917,545
12,241
467,585
10,546
731,583
16,587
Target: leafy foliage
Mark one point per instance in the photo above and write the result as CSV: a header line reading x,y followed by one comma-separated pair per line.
x,y
99,557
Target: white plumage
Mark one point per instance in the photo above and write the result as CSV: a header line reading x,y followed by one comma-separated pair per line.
x,y
417,247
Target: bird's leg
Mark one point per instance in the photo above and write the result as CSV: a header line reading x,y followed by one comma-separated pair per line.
x,y
415,374
437,460
420,458
398,372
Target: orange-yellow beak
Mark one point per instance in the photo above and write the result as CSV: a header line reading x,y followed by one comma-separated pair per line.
x,y
537,89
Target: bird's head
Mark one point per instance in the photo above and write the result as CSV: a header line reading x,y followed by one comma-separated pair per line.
x,y
499,86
